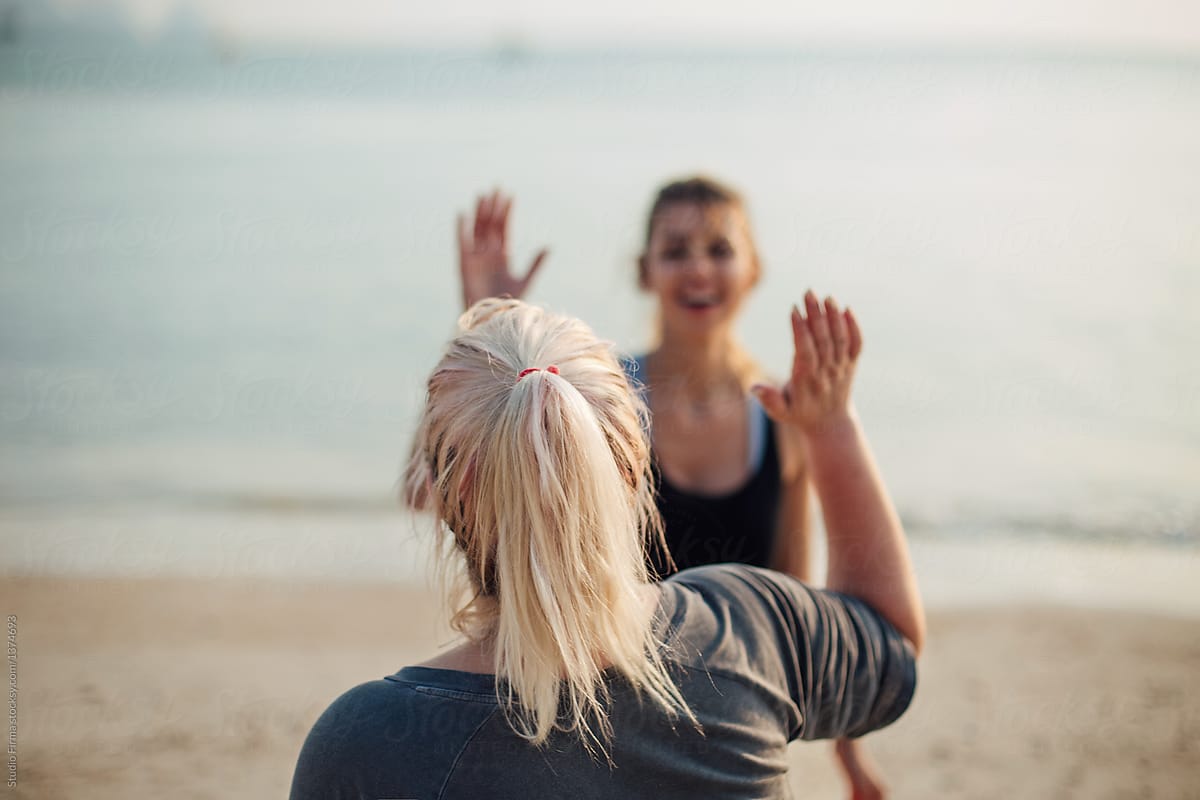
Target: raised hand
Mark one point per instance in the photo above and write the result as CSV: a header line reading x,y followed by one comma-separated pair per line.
x,y
828,343
483,253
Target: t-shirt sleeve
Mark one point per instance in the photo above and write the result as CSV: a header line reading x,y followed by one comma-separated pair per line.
x,y
846,668
863,671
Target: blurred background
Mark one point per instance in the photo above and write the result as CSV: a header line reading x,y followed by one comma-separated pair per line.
x,y
227,263
227,255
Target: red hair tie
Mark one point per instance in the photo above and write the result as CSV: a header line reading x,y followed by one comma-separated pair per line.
x,y
553,370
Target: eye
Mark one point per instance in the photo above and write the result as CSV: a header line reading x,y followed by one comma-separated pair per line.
x,y
722,249
674,253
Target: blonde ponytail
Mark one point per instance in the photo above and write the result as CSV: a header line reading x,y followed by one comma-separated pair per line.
x,y
543,482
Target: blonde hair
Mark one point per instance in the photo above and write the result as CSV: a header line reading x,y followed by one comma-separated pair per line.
x,y
543,484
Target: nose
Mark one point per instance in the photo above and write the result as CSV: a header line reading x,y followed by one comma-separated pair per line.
x,y
699,265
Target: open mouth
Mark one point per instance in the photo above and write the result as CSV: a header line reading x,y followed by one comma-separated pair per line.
x,y
699,302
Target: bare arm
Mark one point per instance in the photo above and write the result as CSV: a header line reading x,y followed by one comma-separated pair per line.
x,y
868,555
793,531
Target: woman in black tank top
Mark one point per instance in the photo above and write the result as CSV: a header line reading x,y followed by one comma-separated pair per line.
x,y
735,526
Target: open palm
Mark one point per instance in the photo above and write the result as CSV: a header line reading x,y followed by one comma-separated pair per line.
x,y
828,343
483,253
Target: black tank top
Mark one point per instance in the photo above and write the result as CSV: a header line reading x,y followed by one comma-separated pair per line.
x,y
707,529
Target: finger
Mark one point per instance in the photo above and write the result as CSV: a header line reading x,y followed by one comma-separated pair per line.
x,y
502,219
854,334
804,361
464,238
495,212
772,401
837,329
533,268
819,329
464,247
481,217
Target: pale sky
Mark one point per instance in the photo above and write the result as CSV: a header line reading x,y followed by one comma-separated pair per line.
x,y
1156,25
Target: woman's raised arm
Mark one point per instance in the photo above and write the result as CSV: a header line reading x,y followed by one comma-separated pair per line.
x,y
868,555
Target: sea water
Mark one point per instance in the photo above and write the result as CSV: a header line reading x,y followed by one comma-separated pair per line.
x,y
224,275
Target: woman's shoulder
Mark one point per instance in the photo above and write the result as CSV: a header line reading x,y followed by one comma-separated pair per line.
x,y
352,745
348,720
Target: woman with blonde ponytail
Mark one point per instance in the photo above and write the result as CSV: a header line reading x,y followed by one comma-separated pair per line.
x,y
577,676
555,465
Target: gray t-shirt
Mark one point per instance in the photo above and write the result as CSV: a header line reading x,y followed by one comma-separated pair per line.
x,y
761,658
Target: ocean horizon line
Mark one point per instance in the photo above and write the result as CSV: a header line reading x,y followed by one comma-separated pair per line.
x,y
516,50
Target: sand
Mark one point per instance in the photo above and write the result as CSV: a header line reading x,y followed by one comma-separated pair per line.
x,y
201,688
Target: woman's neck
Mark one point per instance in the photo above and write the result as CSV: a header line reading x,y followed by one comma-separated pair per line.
x,y
700,369
478,656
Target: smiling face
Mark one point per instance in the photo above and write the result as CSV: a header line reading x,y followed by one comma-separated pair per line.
x,y
701,264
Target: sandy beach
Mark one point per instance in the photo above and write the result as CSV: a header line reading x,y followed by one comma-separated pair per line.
x,y
205,688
